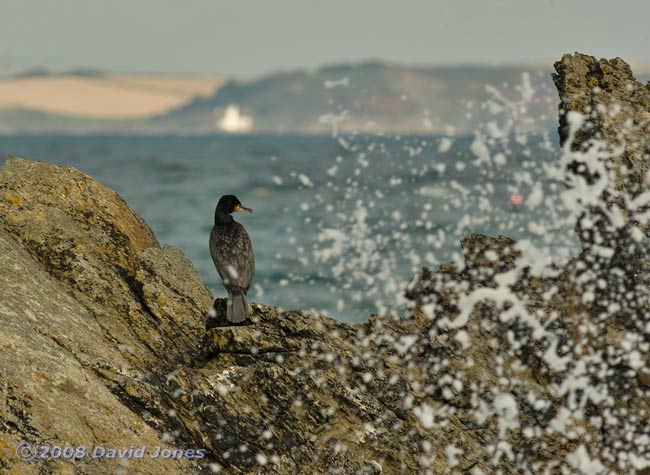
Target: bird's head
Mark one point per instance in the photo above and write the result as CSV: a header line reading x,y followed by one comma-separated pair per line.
x,y
230,204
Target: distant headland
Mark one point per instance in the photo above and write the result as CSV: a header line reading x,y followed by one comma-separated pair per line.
x,y
366,97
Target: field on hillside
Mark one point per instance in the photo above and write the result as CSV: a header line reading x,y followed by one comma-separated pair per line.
x,y
112,96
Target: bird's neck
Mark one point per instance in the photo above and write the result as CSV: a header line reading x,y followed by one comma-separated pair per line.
x,y
222,218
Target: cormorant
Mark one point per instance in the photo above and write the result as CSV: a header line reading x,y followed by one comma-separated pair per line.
x,y
232,253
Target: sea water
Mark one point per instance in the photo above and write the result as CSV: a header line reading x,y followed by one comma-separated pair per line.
x,y
340,224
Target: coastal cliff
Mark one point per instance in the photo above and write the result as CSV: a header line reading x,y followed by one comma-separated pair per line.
x,y
506,365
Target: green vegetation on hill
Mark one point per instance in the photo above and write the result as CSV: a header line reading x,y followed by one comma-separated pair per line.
x,y
369,96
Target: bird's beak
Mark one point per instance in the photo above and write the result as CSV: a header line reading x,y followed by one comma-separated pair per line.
x,y
242,208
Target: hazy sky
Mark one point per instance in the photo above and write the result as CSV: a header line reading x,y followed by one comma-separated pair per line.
x,y
246,37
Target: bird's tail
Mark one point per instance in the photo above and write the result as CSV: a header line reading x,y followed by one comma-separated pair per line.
x,y
237,307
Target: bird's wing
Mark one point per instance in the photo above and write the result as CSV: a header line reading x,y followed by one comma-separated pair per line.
x,y
249,268
219,252
232,254
245,258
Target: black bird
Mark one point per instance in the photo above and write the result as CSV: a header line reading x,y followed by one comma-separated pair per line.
x,y
232,253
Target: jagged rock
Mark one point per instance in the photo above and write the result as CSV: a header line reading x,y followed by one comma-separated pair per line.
x,y
266,332
485,257
87,238
607,150
496,253
174,293
567,331
610,176
51,353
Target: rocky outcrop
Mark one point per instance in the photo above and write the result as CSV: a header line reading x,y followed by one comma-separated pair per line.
x,y
571,344
104,345
77,334
507,365
605,130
